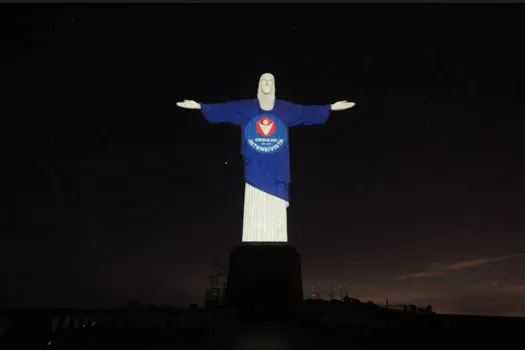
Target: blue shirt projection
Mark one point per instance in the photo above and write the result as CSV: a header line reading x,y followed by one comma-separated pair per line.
x,y
265,146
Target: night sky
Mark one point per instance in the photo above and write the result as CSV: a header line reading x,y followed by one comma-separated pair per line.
x,y
113,193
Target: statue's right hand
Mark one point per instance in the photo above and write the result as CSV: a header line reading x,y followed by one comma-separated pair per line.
x,y
190,104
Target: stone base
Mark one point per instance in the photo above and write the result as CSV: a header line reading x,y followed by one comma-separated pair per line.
x,y
264,276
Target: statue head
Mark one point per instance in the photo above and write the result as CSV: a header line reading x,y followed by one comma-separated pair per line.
x,y
267,84
266,91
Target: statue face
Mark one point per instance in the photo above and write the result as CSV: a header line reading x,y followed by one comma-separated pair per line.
x,y
267,83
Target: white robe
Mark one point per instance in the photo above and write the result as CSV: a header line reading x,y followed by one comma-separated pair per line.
x,y
264,217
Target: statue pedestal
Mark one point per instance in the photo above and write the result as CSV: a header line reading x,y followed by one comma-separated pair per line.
x,y
264,276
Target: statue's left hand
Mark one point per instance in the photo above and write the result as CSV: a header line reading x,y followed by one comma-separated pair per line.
x,y
342,105
189,104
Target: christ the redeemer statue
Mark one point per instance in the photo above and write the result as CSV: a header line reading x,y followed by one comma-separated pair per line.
x,y
265,122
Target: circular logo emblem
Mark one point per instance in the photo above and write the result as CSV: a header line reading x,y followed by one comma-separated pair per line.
x,y
265,133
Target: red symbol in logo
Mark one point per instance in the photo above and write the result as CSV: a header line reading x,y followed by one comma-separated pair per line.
x,y
265,126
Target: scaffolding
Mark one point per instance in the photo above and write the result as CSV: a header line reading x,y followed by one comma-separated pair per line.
x,y
214,293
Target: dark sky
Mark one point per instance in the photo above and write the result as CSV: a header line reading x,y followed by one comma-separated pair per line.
x,y
112,192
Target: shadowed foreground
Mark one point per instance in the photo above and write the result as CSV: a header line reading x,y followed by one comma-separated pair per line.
x,y
315,327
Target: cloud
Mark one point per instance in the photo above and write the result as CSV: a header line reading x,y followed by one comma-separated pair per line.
x,y
421,274
515,289
460,265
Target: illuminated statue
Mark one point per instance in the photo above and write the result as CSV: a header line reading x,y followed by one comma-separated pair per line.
x,y
265,122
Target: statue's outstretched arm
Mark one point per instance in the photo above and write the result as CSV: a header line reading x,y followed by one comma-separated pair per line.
x,y
341,105
226,112
189,104
315,114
